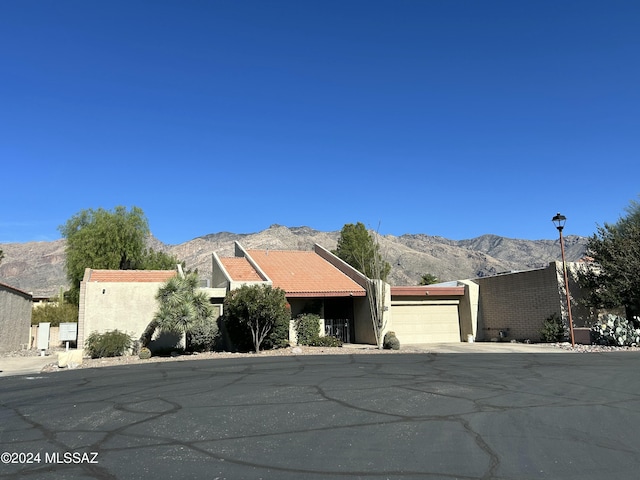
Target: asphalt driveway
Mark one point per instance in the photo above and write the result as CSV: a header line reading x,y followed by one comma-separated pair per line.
x,y
404,416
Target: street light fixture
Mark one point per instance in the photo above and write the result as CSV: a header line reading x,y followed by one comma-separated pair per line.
x,y
559,221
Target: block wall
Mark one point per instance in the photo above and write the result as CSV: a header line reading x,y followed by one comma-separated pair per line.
x,y
517,303
15,320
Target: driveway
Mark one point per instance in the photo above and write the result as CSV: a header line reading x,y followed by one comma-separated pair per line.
x,y
404,416
24,365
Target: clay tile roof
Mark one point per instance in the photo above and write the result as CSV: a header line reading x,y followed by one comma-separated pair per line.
x,y
131,276
240,270
305,274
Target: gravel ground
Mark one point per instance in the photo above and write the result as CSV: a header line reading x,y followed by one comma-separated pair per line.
x,y
133,359
594,348
299,350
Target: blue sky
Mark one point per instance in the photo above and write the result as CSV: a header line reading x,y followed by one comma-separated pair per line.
x,y
450,118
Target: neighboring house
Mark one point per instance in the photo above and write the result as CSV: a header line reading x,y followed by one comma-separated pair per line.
x,y
15,318
122,300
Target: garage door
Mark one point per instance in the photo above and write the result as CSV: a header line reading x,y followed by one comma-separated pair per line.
x,y
425,323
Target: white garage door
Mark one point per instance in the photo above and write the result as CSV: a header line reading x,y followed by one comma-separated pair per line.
x,y
425,323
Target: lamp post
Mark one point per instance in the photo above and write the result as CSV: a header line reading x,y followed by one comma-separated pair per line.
x,y
559,221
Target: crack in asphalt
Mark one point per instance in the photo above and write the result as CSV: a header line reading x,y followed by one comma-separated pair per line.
x,y
280,407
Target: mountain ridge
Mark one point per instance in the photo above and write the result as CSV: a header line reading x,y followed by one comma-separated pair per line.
x,y
38,267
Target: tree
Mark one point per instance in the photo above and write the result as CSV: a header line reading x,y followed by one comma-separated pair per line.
x,y
361,250
358,248
54,313
109,240
156,260
428,279
258,310
612,278
182,308
376,288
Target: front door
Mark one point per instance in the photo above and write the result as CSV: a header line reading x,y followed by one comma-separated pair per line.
x,y
338,318
339,328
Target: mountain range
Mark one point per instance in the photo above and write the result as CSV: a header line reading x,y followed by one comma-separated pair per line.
x,y
38,267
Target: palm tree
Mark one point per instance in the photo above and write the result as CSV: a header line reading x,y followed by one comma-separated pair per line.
x,y
181,307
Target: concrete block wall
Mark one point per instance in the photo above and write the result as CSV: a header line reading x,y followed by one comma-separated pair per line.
x,y
517,303
15,319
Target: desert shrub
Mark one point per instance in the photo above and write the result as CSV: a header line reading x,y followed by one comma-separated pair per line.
x,y
326,341
256,316
279,335
236,336
109,344
54,313
203,336
390,341
553,329
144,353
616,331
307,327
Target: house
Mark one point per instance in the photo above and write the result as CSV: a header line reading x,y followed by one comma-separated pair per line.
x,y
319,282
314,282
15,318
503,307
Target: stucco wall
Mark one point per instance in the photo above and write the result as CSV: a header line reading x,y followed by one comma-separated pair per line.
x,y
362,321
469,310
364,332
128,307
15,319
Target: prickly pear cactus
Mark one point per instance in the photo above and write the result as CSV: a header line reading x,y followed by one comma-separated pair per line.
x,y
616,331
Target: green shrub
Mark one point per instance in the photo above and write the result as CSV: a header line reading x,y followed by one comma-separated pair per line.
x,y
307,328
279,335
615,331
326,341
109,344
54,313
553,329
252,311
203,336
390,341
144,353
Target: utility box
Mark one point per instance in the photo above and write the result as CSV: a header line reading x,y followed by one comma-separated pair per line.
x,y
43,336
68,332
